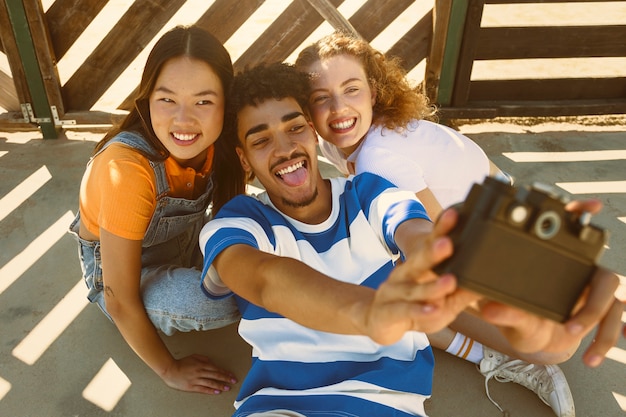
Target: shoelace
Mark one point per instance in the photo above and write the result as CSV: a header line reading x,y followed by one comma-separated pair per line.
x,y
530,383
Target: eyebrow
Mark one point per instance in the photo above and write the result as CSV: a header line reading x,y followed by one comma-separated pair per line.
x,y
264,126
348,81
164,89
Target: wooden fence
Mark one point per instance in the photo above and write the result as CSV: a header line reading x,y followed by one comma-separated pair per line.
x,y
461,39
446,39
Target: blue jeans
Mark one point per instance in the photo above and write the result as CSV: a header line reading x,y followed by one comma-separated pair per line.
x,y
171,294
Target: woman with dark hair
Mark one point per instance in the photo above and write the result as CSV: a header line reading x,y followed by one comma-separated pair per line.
x,y
144,197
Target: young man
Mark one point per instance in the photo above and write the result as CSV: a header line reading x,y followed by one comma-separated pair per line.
x,y
336,323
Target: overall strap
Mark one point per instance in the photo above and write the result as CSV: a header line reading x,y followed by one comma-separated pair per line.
x,y
136,141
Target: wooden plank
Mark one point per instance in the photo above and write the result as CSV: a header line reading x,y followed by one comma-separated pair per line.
x,y
471,30
67,19
489,110
7,39
284,35
143,20
549,89
45,54
233,13
94,117
552,42
375,15
8,95
414,46
11,120
213,21
15,121
330,13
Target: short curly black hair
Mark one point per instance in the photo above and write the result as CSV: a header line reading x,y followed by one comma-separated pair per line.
x,y
254,85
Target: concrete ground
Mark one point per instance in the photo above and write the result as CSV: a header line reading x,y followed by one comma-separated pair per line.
x,y
61,357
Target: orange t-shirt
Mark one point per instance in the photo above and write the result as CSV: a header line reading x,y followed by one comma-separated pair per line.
x,y
118,190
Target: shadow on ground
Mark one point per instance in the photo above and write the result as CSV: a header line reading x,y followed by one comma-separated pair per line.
x,y
61,357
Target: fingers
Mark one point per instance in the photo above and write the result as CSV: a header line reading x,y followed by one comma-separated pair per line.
x,y
446,222
393,318
599,301
213,380
592,206
435,317
606,336
432,292
525,331
419,266
196,373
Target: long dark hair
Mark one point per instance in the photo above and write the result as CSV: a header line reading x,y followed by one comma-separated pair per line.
x,y
194,42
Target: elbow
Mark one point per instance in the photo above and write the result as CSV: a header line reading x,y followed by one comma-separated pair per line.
x,y
114,308
119,309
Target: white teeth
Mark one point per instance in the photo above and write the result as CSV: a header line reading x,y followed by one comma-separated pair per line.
x,y
184,136
343,125
291,168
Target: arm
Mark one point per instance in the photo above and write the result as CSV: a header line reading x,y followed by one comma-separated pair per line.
x,y
291,288
121,265
412,298
428,199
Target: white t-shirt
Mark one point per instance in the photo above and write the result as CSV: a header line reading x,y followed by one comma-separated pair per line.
x,y
424,155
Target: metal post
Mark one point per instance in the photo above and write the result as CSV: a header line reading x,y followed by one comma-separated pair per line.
x,y
41,107
452,49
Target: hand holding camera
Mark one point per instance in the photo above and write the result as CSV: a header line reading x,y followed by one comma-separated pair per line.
x,y
519,246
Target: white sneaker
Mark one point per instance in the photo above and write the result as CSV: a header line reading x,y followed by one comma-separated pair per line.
x,y
547,381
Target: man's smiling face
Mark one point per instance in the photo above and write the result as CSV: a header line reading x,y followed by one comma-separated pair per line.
x,y
279,145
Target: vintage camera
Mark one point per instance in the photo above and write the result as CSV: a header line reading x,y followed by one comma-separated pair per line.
x,y
518,245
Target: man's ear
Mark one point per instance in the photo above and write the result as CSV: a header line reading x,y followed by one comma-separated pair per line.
x,y
243,160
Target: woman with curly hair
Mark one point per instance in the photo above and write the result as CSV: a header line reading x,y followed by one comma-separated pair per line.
x,y
371,119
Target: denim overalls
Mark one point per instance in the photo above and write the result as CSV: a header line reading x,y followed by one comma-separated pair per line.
x,y
171,258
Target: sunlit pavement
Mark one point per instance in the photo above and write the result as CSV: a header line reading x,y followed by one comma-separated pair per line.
x,y
59,356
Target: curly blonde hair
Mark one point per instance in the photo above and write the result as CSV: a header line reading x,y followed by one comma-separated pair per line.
x,y
397,101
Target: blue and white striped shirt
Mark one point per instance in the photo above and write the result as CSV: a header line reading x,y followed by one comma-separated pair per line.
x,y
313,372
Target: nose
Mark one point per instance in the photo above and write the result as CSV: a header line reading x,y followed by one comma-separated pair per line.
x,y
336,104
183,115
285,145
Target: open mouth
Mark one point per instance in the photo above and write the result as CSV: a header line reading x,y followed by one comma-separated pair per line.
x,y
343,125
184,137
294,174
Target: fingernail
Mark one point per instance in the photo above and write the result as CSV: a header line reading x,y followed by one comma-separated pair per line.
x,y
594,360
217,391
226,388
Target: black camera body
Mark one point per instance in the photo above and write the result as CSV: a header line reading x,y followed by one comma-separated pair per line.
x,y
518,245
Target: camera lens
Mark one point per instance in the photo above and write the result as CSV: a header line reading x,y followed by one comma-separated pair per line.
x,y
547,225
